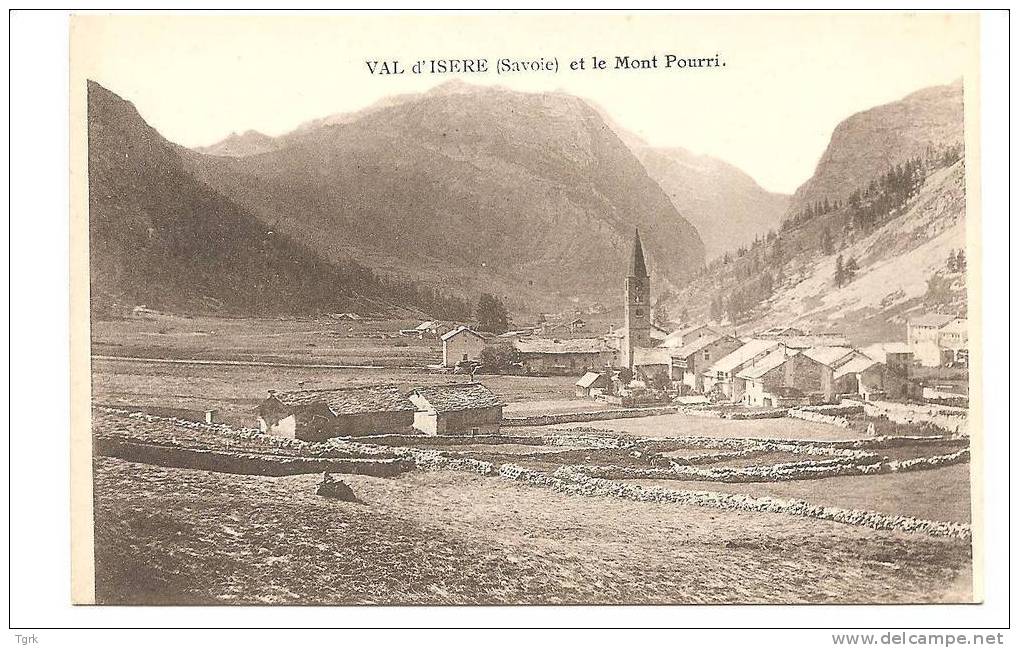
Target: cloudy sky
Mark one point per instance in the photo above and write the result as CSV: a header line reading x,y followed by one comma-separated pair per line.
x,y
789,78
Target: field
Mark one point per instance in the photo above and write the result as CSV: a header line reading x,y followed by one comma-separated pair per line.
x,y
453,538
447,535
347,353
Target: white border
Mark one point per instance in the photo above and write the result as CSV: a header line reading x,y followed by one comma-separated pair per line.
x,y
39,412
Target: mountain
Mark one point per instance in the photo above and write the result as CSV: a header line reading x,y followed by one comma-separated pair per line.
x,y
530,196
159,236
903,270
869,142
728,208
899,231
238,145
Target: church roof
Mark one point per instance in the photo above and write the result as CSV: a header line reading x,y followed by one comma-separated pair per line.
x,y
637,266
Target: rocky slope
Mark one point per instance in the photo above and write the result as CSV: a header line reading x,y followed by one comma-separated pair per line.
x,y
531,196
250,142
888,196
869,142
160,237
728,208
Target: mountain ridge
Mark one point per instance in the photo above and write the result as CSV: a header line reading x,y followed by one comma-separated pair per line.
x,y
159,236
539,193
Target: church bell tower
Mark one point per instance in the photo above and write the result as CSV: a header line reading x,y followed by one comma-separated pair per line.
x,y
637,313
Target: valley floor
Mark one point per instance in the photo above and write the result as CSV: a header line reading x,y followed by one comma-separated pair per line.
x,y
184,536
456,538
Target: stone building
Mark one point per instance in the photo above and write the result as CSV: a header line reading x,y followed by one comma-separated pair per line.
x,y
688,335
564,357
459,408
722,376
592,383
923,335
460,345
896,356
784,377
319,414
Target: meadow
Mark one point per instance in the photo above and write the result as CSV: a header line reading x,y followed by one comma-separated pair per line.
x,y
453,536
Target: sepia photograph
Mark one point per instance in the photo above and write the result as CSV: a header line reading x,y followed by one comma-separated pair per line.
x,y
524,309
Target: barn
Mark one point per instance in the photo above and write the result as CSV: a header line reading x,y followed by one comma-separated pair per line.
x,y
319,414
459,408
460,345
591,383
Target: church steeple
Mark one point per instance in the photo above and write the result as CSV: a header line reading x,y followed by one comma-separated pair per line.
x,y
637,308
637,266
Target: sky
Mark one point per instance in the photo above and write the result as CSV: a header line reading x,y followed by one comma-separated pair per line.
x,y
789,78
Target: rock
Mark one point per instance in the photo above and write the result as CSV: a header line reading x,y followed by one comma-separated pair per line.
x,y
336,489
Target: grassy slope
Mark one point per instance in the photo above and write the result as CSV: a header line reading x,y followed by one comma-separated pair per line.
x,y
465,539
895,262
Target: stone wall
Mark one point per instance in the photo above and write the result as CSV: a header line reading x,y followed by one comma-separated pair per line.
x,y
244,463
578,484
953,420
583,417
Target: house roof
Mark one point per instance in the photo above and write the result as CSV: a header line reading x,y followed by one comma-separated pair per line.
x,y
577,345
675,339
348,400
699,344
957,325
856,365
829,356
457,397
774,359
742,355
931,319
588,379
457,331
518,333
782,331
816,340
880,350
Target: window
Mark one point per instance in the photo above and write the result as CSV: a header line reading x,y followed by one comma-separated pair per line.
x,y
639,312
475,431
464,358
707,354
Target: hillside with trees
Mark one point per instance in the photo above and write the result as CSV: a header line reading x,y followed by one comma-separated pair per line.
x,y
158,236
859,265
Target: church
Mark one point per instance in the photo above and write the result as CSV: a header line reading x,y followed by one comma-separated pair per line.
x,y
637,309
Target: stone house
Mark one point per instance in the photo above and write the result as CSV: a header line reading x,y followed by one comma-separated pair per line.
x,y
592,382
953,342
781,378
689,361
688,335
682,366
319,414
459,408
896,356
429,329
565,357
460,345
923,335
830,358
722,377
863,376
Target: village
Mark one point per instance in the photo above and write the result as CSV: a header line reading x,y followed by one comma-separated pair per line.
x,y
637,365
443,430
